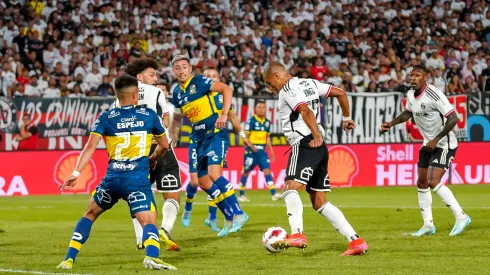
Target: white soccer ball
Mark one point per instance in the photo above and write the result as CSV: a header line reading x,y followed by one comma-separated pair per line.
x,y
273,235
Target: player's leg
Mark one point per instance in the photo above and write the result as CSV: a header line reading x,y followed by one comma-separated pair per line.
x,y
424,197
98,203
265,166
212,220
191,189
435,173
248,165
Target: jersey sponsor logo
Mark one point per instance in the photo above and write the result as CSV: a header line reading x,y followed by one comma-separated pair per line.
x,y
309,92
103,196
123,166
343,166
435,161
136,197
193,112
142,111
143,206
112,114
65,166
169,181
200,127
306,173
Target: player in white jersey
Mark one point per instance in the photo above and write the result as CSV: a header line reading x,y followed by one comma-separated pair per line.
x,y
166,174
435,117
299,108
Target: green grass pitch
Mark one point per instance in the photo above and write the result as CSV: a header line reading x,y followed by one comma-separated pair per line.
x,y
35,232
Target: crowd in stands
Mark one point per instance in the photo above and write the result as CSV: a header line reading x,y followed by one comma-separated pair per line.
x,y
73,48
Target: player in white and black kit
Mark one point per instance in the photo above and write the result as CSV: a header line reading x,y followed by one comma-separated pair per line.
x,y
166,174
435,117
299,108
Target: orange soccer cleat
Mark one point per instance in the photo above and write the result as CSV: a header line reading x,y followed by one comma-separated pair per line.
x,y
296,240
356,247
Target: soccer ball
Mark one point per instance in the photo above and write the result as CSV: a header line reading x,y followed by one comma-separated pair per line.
x,y
273,235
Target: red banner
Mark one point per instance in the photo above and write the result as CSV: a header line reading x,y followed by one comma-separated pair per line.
x,y
40,173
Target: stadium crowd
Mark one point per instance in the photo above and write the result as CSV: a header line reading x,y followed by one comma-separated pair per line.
x,y
76,48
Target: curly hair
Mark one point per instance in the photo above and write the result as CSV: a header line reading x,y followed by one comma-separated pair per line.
x,y
139,65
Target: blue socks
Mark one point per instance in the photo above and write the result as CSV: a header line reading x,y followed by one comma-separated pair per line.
x,y
80,236
151,240
243,184
218,198
226,188
212,208
190,193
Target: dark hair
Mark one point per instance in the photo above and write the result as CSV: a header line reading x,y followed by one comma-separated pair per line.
x,y
139,65
421,68
125,81
260,101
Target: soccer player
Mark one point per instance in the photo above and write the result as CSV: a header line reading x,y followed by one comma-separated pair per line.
x,y
191,189
299,108
166,174
128,130
193,98
258,130
435,117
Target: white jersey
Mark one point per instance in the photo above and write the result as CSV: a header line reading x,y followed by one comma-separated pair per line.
x,y
430,110
295,92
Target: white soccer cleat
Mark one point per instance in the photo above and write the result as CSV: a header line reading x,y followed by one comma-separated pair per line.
x,y
242,198
277,196
460,225
157,264
424,231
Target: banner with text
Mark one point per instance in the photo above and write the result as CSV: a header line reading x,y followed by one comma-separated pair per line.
x,y
479,117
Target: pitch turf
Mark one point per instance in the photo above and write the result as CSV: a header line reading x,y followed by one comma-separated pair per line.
x,y
36,232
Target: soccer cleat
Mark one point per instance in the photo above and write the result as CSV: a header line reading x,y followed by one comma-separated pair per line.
x,y
167,240
239,222
226,229
356,247
424,231
186,218
155,263
140,246
297,240
460,225
66,264
213,224
242,198
276,196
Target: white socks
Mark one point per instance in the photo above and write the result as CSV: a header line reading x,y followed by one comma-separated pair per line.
x,y
335,216
138,230
169,212
448,198
295,210
425,203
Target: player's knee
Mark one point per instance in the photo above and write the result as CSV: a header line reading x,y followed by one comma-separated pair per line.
x,y
318,199
91,215
293,185
422,183
172,195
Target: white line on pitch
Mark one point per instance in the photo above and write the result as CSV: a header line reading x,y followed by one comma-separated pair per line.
x,y
351,206
37,272
26,207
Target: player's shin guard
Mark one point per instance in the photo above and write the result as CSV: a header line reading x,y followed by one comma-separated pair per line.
x,y
151,240
448,198
80,236
138,230
337,219
212,208
294,208
227,190
243,185
220,201
170,210
270,184
190,193
425,204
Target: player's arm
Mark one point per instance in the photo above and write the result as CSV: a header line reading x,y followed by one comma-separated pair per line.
x,y
25,134
238,129
406,115
176,125
269,146
227,92
160,150
310,120
327,90
83,160
164,106
446,109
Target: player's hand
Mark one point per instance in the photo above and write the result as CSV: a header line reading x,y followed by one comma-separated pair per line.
x,y
348,125
221,122
386,126
69,183
163,88
317,141
250,145
272,157
153,163
431,145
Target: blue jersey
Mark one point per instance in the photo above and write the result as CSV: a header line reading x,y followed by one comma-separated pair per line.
x,y
259,130
128,131
197,103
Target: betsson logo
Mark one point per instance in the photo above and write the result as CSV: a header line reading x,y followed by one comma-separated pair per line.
x,y
64,168
343,166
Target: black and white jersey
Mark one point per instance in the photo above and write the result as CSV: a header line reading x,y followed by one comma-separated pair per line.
x,y
430,110
295,92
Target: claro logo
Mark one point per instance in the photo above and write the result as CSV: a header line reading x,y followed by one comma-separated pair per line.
x,y
64,168
343,166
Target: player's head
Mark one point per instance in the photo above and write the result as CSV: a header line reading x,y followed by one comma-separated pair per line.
x,y
260,108
275,76
26,118
182,68
419,76
144,69
212,72
126,90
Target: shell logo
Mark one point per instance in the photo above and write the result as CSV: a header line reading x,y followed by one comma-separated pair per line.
x,y
64,168
343,166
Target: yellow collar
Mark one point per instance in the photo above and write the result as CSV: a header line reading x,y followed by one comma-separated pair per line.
x,y
261,120
183,87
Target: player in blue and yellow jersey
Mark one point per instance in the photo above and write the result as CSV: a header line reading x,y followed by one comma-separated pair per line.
x,y
258,130
194,99
128,130
191,189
